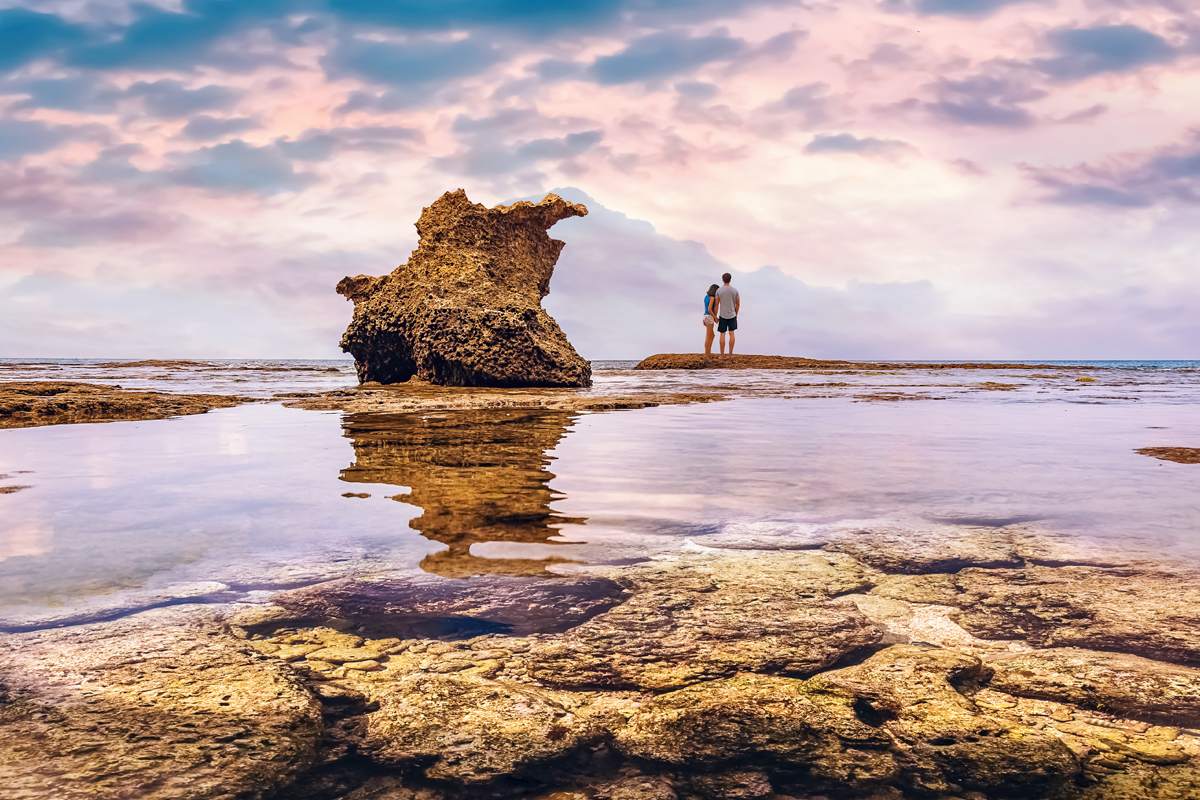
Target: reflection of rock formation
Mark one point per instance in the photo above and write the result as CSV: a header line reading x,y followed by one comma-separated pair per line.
x,y
466,310
480,476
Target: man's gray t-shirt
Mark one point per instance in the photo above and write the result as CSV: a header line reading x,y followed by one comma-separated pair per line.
x,y
727,295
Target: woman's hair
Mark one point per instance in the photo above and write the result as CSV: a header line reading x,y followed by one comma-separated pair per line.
x,y
712,290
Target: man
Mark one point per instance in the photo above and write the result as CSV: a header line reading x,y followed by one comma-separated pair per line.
x,y
729,303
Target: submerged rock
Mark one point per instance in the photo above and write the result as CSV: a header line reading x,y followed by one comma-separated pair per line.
x,y
465,310
421,605
1143,611
922,547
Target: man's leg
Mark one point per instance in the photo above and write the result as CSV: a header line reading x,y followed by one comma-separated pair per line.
x,y
722,343
732,339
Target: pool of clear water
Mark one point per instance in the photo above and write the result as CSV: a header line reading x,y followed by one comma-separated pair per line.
x,y
261,496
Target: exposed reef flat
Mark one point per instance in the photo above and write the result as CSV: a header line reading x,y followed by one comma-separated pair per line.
x,y
1180,455
30,403
421,396
631,388
909,666
740,361
466,309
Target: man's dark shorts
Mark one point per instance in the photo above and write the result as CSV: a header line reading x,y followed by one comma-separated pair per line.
x,y
727,324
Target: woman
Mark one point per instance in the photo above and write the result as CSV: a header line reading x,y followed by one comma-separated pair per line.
x,y
710,318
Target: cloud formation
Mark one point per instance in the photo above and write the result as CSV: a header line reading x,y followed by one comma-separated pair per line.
x,y
1084,52
894,160
849,143
1168,174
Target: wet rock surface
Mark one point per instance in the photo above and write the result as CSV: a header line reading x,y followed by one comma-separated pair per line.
x,y
1147,612
923,547
696,620
1124,685
126,710
714,674
470,730
430,606
29,403
465,310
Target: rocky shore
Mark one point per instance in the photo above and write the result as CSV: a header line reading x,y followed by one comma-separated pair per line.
x,y
867,661
741,361
415,395
26,404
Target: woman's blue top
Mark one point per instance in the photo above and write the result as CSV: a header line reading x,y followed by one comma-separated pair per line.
x,y
706,299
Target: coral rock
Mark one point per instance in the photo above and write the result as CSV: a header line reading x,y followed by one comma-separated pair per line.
x,y
466,308
1131,687
470,730
129,709
693,619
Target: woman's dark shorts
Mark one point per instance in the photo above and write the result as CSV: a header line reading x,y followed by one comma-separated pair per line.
x,y
727,324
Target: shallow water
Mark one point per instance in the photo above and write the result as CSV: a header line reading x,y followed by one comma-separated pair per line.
x,y
262,378
230,504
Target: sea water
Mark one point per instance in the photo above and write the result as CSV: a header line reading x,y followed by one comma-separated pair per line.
x,y
238,502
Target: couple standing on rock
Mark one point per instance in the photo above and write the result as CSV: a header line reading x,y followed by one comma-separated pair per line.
x,y
723,303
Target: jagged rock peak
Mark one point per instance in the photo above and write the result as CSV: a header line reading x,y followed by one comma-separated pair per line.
x,y
465,310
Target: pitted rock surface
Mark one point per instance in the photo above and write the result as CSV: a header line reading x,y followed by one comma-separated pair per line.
x,y
465,310
698,684
472,730
1146,613
897,720
168,713
1124,685
917,694
761,720
697,618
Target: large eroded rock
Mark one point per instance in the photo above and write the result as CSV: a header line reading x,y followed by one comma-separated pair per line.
x,y
465,310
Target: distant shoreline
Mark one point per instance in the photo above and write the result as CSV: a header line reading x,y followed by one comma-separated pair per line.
x,y
740,361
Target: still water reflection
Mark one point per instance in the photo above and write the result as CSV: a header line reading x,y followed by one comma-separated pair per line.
x,y
478,476
237,502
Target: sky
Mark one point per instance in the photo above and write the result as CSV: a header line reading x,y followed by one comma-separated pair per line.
x,y
913,179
